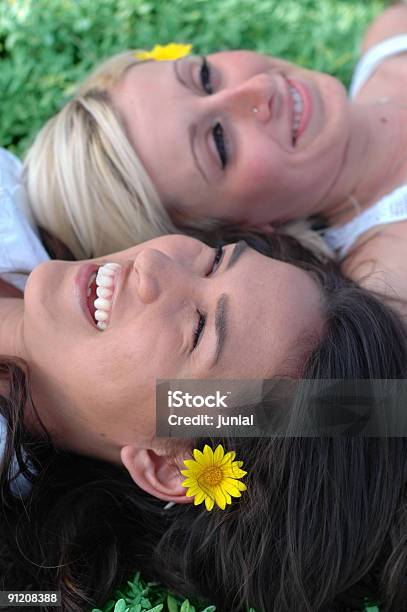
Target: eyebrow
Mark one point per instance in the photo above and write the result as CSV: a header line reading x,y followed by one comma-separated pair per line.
x,y
192,127
222,307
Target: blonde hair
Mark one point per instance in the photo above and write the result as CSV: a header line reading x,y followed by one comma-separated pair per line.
x,y
87,186
85,183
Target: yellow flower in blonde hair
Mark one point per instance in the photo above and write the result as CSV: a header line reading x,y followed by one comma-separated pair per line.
x,y
172,51
213,477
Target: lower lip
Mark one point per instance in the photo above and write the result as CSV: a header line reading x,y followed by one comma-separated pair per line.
x,y
81,284
306,107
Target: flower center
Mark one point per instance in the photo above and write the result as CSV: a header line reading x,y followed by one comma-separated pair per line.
x,y
212,476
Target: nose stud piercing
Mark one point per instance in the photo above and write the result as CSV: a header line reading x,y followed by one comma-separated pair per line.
x,y
255,109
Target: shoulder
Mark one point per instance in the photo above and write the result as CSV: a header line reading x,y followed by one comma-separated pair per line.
x,y
391,22
378,261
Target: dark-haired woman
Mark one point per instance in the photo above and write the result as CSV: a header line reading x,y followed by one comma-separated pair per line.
x,y
85,479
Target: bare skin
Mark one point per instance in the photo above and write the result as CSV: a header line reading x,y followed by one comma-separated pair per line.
x,y
379,257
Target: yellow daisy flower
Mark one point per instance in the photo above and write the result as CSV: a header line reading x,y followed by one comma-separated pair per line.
x,y
172,51
212,477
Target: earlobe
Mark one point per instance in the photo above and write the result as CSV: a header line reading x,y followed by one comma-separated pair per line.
x,y
155,474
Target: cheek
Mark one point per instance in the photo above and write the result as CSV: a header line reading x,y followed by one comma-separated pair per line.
x,y
263,174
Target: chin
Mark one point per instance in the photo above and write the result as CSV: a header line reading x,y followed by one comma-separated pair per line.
x,y
40,290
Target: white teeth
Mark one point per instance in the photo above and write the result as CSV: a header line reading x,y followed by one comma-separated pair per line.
x,y
298,106
105,280
101,315
103,292
102,304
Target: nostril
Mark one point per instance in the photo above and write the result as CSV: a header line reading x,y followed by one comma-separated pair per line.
x,y
262,110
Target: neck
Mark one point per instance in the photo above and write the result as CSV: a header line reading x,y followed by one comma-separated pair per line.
x,y
69,426
11,327
375,160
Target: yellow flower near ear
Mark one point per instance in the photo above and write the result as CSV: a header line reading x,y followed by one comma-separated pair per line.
x,y
172,51
213,477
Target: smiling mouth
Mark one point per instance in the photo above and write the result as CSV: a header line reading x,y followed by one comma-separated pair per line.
x,y
298,107
99,294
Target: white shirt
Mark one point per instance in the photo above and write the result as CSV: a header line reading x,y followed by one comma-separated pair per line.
x,y
20,251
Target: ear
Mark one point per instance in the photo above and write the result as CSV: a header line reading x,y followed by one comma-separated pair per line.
x,y
155,473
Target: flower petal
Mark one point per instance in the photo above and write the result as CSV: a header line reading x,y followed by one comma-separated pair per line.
x,y
218,454
200,457
231,472
220,498
208,452
199,497
231,485
227,496
228,457
171,51
189,482
209,503
190,463
193,491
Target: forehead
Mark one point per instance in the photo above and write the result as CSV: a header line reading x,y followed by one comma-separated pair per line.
x,y
274,317
154,109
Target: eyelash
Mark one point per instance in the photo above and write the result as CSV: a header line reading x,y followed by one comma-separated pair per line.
x,y
217,130
201,316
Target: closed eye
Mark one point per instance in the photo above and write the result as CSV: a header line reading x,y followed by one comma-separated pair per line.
x,y
217,130
199,329
201,316
219,140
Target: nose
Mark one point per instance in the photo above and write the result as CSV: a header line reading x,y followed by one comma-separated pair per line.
x,y
157,272
250,99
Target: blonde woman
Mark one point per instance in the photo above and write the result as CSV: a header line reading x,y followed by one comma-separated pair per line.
x,y
91,183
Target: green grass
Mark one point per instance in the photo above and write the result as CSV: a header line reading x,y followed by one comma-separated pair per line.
x,y
139,596
46,46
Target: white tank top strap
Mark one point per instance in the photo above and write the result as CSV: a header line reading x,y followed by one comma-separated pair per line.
x,y
389,209
373,58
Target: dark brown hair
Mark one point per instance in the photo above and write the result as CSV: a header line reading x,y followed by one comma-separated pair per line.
x,y
323,523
